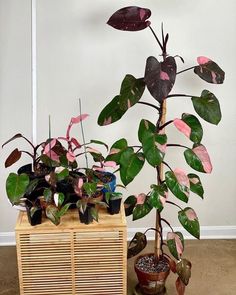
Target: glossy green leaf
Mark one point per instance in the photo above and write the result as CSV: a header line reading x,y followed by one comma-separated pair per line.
x,y
16,186
209,71
207,107
116,150
196,185
189,221
111,113
62,175
64,209
32,186
131,91
175,243
52,213
141,210
198,159
183,269
90,188
129,205
13,158
61,199
47,193
130,165
158,196
178,183
145,128
48,162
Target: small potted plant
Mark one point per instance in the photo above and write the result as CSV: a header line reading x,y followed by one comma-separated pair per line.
x,y
113,199
159,78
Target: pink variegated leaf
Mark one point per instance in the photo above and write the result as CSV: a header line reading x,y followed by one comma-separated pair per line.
x,y
189,221
140,199
78,119
70,156
75,142
49,146
53,156
182,127
198,159
78,186
111,164
98,168
175,243
92,150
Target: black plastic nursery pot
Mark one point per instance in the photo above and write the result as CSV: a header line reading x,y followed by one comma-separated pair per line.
x,y
151,282
114,206
34,213
86,217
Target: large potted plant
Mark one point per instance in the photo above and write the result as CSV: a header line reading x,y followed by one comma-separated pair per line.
x,y
159,77
55,180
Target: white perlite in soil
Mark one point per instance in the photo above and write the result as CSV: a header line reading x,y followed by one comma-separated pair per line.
x,y
149,264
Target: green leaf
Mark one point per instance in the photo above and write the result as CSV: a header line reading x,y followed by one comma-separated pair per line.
x,y
141,210
207,107
179,188
47,193
183,269
145,128
137,244
196,185
189,221
90,188
130,165
99,142
32,186
13,158
52,213
16,186
157,196
62,175
111,113
116,150
175,243
129,205
64,209
61,199
94,213
209,71
198,159
48,162
131,91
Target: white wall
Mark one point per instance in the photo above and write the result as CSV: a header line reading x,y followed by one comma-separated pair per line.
x,y
79,56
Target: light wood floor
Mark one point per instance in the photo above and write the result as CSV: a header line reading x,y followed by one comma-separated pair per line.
x,y
213,273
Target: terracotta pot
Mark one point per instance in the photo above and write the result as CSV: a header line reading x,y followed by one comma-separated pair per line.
x,y
151,283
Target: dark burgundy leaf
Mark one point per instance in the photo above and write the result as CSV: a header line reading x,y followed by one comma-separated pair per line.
x,y
180,287
137,244
183,269
131,18
160,77
13,158
12,138
172,265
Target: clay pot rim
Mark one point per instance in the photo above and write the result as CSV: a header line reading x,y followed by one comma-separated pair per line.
x,y
150,273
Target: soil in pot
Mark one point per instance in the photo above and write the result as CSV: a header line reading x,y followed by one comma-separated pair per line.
x,y
86,217
34,213
114,206
108,179
151,274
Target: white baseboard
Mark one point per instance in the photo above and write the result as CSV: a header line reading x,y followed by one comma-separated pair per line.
x,y
207,232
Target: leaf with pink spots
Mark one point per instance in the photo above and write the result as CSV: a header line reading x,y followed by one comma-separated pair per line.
x,y
131,18
209,71
189,220
175,243
158,196
196,185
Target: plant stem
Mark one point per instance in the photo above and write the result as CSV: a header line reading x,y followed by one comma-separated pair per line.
x,y
167,123
167,165
158,41
149,104
177,145
185,70
28,154
179,95
162,219
172,203
83,137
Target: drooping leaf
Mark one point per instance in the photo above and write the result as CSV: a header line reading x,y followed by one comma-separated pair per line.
x,y
189,221
209,71
99,142
111,113
175,243
178,182
116,150
131,91
172,265
196,185
16,186
130,165
52,213
183,269
207,107
198,159
13,158
180,286
129,205
141,210
131,18
18,135
75,120
190,126
137,244
90,188
158,196
63,210
32,186
160,77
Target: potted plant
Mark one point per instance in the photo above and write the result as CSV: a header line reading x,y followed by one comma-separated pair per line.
x,y
113,200
49,183
159,77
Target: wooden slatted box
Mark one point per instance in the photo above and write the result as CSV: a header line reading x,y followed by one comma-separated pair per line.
x,y
73,258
